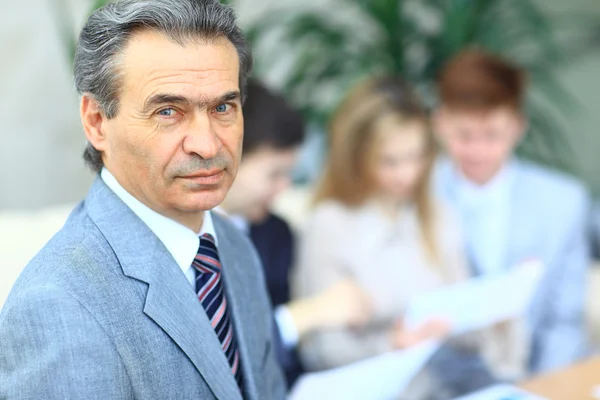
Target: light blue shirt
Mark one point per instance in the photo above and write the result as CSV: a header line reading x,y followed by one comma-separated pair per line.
x,y
485,211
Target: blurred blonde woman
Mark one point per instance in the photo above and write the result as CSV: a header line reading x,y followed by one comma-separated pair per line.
x,y
375,220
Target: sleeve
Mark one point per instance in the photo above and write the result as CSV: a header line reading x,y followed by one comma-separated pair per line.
x,y
53,348
335,348
320,265
319,260
559,339
286,327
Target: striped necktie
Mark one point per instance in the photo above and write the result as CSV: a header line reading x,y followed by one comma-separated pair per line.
x,y
210,291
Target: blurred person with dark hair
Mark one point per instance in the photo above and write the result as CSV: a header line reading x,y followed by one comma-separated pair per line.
x,y
513,210
273,134
377,221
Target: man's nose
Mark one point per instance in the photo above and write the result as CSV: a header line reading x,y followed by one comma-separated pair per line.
x,y
202,139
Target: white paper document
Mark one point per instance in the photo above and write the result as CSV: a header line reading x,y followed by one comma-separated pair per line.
x,y
479,302
470,305
379,378
502,392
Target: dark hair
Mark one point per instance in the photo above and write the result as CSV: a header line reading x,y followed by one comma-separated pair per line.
x,y
108,30
476,80
269,121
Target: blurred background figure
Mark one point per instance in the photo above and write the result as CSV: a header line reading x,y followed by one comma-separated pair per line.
x,y
377,221
513,210
273,133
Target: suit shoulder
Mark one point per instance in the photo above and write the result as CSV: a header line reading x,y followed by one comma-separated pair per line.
x,y
68,254
547,181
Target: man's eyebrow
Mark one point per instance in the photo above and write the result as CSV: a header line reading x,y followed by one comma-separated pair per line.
x,y
230,96
164,98
234,95
167,98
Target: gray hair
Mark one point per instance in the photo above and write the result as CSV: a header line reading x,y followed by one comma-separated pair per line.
x,y
108,29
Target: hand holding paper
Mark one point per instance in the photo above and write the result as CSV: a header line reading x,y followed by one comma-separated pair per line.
x,y
404,337
468,306
479,302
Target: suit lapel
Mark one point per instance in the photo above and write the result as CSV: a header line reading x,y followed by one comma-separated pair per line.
x,y
170,300
237,267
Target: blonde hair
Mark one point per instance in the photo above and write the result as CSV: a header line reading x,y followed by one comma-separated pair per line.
x,y
353,140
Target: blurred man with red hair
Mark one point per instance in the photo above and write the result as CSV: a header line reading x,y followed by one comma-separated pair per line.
x,y
513,210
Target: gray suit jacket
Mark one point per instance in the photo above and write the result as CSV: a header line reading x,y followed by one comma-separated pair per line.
x,y
548,221
104,312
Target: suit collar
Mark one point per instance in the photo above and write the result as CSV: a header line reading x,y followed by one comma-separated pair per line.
x,y
179,240
453,184
170,300
243,302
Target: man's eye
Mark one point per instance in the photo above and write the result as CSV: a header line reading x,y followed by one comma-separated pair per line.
x,y
223,108
167,112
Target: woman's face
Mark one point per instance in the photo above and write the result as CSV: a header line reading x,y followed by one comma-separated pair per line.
x,y
400,157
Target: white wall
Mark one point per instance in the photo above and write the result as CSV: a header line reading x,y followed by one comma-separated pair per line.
x,y
40,138
40,135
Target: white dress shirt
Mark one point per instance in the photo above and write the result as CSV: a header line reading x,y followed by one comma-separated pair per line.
x,y
283,318
179,240
486,213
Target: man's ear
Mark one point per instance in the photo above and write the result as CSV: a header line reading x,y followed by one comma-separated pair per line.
x,y
92,118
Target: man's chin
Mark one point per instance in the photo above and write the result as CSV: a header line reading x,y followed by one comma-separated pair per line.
x,y
478,176
203,200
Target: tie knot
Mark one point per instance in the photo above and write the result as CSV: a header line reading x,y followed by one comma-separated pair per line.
x,y
208,255
208,237
207,244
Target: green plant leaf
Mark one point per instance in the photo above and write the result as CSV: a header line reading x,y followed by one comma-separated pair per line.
x,y
333,53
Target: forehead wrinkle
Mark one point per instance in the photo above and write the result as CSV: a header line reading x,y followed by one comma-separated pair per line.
x,y
203,99
168,74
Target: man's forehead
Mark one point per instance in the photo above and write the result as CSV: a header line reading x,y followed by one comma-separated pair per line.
x,y
151,58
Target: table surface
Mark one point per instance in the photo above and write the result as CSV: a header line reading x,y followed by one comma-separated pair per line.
x,y
577,382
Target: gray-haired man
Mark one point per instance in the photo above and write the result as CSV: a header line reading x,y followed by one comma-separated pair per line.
x,y
144,293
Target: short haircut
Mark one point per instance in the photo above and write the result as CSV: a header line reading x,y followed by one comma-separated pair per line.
x,y
108,30
269,120
480,81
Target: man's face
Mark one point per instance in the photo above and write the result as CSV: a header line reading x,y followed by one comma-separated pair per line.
x,y
479,142
175,143
263,174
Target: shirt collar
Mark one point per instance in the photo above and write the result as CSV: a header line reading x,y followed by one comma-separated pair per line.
x,y
179,240
494,190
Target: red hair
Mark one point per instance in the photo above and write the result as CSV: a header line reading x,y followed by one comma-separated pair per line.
x,y
480,81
